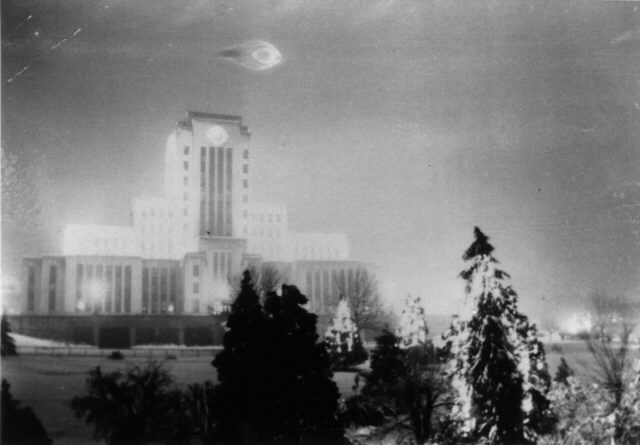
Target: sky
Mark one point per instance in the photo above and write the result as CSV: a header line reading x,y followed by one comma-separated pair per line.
x,y
402,124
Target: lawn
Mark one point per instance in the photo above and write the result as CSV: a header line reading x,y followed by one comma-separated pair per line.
x,y
47,383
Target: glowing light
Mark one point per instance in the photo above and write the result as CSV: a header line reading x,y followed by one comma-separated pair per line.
x,y
575,324
256,55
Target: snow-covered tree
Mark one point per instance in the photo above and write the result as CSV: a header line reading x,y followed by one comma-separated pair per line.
x,y
497,364
412,328
343,338
588,413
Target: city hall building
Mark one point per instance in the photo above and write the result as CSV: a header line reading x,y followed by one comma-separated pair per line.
x,y
166,277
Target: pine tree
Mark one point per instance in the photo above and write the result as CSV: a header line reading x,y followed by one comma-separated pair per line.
x,y
387,363
412,329
497,364
563,372
8,343
275,377
343,339
239,365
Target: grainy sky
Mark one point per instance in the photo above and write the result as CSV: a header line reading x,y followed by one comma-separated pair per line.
x,y
402,124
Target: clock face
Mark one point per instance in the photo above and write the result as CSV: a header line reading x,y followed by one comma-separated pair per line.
x,y
217,135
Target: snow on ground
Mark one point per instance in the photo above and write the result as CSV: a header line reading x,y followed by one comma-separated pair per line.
x,y
25,340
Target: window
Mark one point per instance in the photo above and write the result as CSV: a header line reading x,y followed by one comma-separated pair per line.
x,y
185,181
279,217
245,183
196,306
196,288
196,270
186,165
270,217
245,168
245,199
186,149
186,196
245,214
186,212
53,275
245,154
245,230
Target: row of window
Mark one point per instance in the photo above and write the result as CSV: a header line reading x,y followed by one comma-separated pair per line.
x,y
216,200
323,284
159,289
101,288
245,153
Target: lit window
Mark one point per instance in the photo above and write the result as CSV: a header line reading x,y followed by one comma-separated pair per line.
x,y
196,288
245,168
186,165
186,149
196,270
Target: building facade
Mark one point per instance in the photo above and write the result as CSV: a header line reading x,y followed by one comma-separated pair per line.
x,y
184,246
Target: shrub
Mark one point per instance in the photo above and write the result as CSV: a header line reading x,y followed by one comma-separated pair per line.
x,y
139,406
115,355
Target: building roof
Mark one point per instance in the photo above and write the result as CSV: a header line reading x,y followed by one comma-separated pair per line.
x,y
214,116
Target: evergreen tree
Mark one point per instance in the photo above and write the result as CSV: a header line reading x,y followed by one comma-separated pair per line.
x,y
8,343
497,364
275,377
240,365
19,424
343,339
563,372
412,329
387,363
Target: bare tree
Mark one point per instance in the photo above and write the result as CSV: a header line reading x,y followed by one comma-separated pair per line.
x,y
266,278
613,321
361,291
